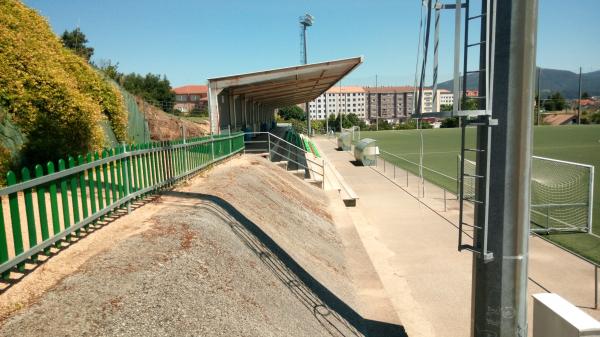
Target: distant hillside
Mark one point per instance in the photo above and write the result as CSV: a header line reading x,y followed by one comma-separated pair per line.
x,y
563,81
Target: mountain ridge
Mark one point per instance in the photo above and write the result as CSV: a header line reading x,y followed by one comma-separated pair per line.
x,y
564,81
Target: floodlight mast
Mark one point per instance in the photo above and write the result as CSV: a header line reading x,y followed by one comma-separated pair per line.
x,y
305,21
499,290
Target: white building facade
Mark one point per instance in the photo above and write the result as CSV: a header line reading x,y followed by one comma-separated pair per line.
x,y
443,97
446,97
350,99
354,99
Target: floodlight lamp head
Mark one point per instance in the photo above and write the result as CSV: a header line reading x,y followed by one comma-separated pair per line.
x,y
307,20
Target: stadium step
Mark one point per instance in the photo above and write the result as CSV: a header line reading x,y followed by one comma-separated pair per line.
x,y
315,182
299,173
283,164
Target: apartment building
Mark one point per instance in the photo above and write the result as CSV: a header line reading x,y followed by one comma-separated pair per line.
x,y
390,103
394,103
443,97
446,97
348,99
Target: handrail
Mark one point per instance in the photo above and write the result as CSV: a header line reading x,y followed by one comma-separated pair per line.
x,y
305,152
277,147
273,135
78,169
112,182
424,167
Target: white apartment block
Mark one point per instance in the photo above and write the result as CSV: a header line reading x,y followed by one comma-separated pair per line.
x,y
446,97
350,99
427,101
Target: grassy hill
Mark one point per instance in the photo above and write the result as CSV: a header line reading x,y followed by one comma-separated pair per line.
x,y
54,97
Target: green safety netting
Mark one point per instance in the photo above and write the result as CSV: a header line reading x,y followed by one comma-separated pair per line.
x,y
137,127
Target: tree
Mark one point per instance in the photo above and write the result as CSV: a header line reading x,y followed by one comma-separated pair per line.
x,y
446,107
154,89
331,121
201,112
585,95
555,102
111,70
595,118
469,104
408,125
353,119
76,41
451,122
292,112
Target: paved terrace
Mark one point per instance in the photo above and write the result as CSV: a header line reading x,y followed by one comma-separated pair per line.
x,y
412,243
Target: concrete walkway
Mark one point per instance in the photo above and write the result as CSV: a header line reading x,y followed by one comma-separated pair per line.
x,y
412,242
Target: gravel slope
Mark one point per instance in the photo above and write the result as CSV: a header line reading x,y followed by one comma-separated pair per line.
x,y
198,271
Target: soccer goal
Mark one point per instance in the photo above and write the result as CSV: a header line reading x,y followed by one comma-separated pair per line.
x,y
354,131
561,194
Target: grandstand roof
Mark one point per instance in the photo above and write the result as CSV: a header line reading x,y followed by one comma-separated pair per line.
x,y
286,86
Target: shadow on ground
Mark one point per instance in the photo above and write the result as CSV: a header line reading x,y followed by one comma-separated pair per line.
x,y
17,274
334,315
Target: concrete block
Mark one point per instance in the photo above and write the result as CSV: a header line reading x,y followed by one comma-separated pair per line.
x,y
553,316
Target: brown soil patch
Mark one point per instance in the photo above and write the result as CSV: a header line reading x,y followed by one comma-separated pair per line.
x,y
164,126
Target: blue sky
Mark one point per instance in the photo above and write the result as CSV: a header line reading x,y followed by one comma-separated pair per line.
x,y
192,40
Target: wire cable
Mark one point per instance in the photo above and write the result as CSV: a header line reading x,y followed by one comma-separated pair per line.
x,y
425,52
418,56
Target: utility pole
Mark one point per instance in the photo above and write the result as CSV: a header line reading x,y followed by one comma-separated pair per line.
x,y
424,64
499,305
326,116
378,104
340,106
306,21
539,102
579,100
436,39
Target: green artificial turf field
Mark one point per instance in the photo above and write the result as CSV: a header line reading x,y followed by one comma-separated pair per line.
x,y
441,147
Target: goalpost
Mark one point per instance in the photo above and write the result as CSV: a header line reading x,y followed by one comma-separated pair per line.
x,y
561,194
354,131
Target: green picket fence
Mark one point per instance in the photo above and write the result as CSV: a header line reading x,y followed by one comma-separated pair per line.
x,y
52,203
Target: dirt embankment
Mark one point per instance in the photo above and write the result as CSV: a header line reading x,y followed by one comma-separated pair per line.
x,y
198,266
164,126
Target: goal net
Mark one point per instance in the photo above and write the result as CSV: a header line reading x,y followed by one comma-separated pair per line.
x,y
354,132
561,194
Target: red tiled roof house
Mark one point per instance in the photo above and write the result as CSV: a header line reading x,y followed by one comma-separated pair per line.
x,y
191,97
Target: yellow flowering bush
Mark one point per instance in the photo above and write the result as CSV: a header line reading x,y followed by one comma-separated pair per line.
x,y
53,95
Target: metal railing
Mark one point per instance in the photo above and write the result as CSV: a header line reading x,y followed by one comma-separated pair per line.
x,y
418,168
391,166
279,149
89,188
